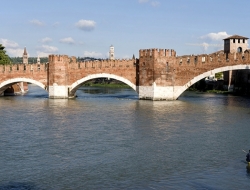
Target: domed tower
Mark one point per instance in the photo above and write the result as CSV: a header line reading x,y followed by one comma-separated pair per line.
x,y
25,56
111,52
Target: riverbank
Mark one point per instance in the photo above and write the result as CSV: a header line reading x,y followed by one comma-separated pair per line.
x,y
107,85
211,91
122,85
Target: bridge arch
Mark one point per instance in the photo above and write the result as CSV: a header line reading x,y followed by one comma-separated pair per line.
x,y
78,83
16,80
181,89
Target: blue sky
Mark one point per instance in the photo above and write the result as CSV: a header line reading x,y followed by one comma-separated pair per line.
x,y
88,27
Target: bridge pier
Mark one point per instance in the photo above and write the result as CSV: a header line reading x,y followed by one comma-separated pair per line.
x,y
58,92
58,75
155,92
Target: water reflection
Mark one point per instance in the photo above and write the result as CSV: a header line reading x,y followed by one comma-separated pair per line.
x,y
18,186
115,141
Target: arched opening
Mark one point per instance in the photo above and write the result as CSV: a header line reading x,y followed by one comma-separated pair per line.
x,y
239,50
178,91
18,86
103,78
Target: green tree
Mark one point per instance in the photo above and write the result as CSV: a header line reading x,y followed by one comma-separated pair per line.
x,y
219,75
4,58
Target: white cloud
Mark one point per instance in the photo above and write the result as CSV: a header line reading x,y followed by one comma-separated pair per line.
x,y
205,46
8,44
155,3
215,36
45,50
92,54
36,22
46,40
42,54
15,52
86,25
68,40
12,48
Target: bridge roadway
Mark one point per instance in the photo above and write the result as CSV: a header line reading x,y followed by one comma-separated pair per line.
x,y
158,74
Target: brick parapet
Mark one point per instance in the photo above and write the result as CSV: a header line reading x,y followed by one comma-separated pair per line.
x,y
155,66
104,64
149,53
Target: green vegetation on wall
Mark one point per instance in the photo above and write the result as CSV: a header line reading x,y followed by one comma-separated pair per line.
x,y
219,75
4,58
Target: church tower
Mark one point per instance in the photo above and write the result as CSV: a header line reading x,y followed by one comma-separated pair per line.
x,y
25,56
38,60
111,52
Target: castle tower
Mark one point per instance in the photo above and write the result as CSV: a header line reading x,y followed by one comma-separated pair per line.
x,y
25,56
111,52
58,76
156,74
235,44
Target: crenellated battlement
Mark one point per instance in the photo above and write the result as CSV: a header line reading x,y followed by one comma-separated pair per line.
x,y
58,58
31,67
157,74
103,63
149,53
213,58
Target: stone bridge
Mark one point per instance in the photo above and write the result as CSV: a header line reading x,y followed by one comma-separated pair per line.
x,y
158,74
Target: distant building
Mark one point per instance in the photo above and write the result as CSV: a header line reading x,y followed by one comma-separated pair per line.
x,y
238,79
25,56
38,60
111,52
235,44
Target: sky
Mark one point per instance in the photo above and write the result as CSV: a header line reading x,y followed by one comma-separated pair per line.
x,y
87,28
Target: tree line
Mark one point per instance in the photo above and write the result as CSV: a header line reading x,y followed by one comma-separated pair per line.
x,y
4,58
15,60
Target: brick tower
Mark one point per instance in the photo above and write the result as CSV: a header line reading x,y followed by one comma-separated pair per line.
x,y
156,81
25,56
58,76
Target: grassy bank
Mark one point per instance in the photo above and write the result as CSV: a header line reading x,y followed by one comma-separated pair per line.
x,y
210,91
218,92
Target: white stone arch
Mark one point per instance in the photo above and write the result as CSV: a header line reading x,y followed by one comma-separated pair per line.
x,y
180,89
78,83
16,80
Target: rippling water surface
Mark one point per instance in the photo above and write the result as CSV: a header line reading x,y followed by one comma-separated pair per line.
x,y
108,139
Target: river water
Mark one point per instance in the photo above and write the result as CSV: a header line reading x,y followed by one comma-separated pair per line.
x,y
108,139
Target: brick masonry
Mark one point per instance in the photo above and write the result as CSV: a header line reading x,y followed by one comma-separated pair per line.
x,y
158,74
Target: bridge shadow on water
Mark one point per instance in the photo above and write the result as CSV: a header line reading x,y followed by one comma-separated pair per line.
x,y
104,93
18,186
